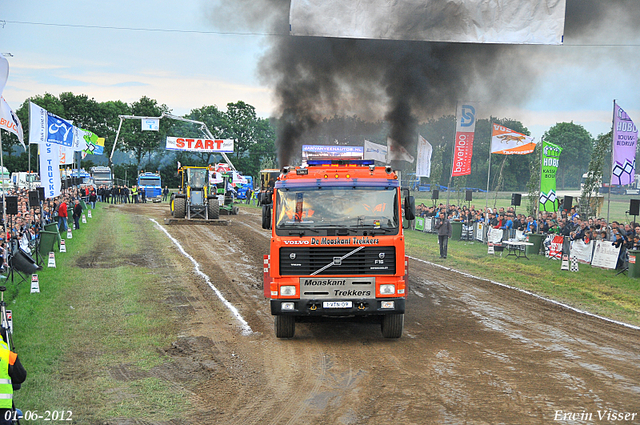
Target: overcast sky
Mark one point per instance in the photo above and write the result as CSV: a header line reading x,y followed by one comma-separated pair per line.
x,y
172,52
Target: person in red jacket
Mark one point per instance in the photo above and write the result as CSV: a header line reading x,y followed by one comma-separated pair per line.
x,y
62,215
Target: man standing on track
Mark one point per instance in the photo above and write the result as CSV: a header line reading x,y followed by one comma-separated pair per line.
x,y
445,231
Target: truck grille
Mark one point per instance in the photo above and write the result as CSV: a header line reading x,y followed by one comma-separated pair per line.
x,y
367,261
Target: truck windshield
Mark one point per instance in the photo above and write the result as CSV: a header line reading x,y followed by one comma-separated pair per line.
x,y
102,175
349,209
150,181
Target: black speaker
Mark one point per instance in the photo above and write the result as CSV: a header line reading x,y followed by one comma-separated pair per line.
x,y
41,194
515,199
634,207
23,262
435,194
469,196
34,199
568,203
12,205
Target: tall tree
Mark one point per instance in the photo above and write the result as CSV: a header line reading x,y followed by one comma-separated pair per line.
x,y
139,142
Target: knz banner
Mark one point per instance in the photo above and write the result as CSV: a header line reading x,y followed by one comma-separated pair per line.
x,y
45,127
199,145
550,160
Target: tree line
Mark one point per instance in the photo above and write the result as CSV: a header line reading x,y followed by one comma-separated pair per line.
x,y
255,141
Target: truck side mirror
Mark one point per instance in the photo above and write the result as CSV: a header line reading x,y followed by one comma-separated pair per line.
x,y
409,208
266,217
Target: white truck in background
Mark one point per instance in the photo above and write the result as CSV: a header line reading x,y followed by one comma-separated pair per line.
x,y
25,180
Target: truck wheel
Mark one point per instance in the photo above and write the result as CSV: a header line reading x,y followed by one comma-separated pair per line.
x,y
392,325
235,210
214,209
285,326
179,207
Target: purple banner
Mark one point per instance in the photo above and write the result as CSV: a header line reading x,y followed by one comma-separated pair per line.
x,y
625,138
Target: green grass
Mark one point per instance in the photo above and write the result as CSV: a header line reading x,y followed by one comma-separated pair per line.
x,y
87,322
592,289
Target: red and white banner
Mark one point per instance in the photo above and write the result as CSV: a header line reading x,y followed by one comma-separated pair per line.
x,y
508,142
221,167
465,129
555,249
199,145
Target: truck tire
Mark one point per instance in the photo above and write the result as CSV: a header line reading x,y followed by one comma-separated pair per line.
x,y
285,326
392,325
214,209
179,207
235,210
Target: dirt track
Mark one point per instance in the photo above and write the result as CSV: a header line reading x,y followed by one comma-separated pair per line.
x,y
472,352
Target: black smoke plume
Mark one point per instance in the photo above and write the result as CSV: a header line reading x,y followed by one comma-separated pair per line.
x,y
402,82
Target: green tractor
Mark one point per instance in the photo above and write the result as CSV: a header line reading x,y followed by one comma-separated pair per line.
x,y
225,194
195,198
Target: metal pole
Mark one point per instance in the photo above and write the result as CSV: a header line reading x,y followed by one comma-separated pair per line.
x,y
113,149
486,201
613,120
453,156
4,206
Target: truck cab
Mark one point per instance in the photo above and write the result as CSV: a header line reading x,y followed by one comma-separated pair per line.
x,y
337,244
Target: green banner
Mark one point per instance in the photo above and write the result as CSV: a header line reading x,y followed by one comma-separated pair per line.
x,y
550,159
420,223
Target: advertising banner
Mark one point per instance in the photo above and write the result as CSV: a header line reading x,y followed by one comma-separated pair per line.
x,y
199,145
582,251
45,127
423,165
420,223
505,141
555,249
397,152
605,255
9,121
625,139
332,151
550,160
375,151
465,129
150,124
464,21
50,169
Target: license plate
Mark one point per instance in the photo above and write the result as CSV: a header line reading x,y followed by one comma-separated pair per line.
x,y
337,304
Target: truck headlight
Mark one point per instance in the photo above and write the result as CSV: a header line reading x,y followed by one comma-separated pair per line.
x,y
287,291
387,289
287,306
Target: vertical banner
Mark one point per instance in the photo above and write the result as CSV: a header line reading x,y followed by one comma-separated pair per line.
x,y
625,138
465,128
550,159
423,165
49,169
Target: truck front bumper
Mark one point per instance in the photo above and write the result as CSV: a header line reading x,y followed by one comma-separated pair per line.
x,y
337,307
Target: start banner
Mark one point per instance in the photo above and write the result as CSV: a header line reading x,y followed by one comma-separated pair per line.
x,y
199,145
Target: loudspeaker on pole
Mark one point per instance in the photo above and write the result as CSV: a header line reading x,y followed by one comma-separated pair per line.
x,y
12,205
435,194
568,203
34,199
469,196
634,207
515,199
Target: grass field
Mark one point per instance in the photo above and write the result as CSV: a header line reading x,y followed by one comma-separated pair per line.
x,y
98,314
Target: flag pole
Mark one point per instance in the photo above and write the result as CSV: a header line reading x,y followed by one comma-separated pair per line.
x,y
486,201
453,156
613,120
4,207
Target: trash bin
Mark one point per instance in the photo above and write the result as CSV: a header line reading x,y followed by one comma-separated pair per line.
x,y
634,263
53,227
47,242
83,205
456,230
536,240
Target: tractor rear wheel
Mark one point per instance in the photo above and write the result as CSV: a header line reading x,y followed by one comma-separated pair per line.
x,y
179,207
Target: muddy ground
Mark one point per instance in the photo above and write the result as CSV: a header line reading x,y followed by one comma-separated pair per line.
x,y
472,352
